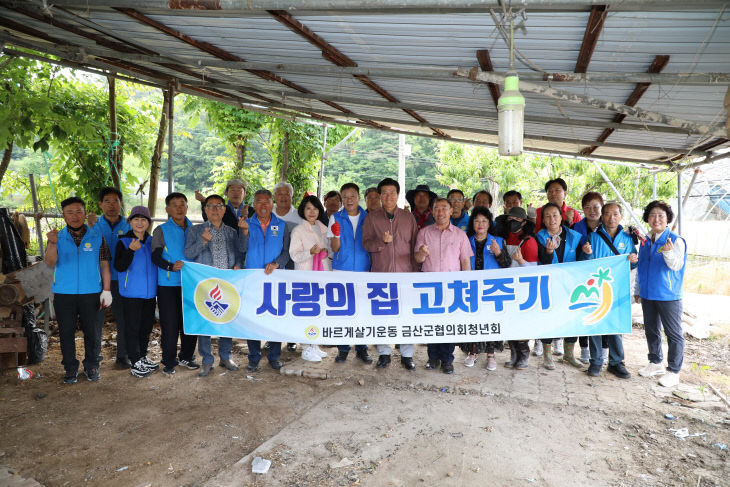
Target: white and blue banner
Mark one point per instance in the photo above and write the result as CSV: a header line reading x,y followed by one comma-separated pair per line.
x,y
573,299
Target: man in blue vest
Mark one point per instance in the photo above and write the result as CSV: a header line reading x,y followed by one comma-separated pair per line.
x,y
459,218
345,234
609,239
168,254
265,237
113,225
81,287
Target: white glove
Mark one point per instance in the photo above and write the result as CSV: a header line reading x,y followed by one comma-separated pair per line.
x,y
106,299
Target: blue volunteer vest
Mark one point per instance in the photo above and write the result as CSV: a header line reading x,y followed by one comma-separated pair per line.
x,y
462,222
657,281
173,251
572,242
77,269
490,262
352,256
264,248
622,242
140,278
112,234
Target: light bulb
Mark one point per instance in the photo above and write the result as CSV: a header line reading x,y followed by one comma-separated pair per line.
x,y
511,117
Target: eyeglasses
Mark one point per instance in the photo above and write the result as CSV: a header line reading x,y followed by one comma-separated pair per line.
x,y
215,207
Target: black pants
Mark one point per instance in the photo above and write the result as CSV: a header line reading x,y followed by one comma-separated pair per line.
x,y
140,314
85,308
169,302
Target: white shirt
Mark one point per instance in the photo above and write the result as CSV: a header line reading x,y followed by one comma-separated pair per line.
x,y
292,216
354,220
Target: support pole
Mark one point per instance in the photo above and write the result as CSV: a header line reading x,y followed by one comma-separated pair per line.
x,y
678,223
321,166
402,170
170,124
605,177
39,234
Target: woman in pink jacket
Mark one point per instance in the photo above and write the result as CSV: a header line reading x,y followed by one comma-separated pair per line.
x,y
309,249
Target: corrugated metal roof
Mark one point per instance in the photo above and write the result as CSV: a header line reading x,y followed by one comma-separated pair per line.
x,y
695,39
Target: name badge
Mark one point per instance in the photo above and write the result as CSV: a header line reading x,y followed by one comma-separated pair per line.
x,y
87,247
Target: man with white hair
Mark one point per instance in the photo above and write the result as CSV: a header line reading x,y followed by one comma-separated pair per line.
x,y
283,194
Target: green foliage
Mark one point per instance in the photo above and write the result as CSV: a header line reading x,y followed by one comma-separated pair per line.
x,y
304,149
68,120
470,167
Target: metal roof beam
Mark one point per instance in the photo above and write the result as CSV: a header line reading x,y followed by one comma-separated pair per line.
x,y
335,56
75,54
589,101
590,37
367,6
218,52
485,63
659,63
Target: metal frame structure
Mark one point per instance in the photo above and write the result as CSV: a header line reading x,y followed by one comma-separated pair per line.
x,y
639,81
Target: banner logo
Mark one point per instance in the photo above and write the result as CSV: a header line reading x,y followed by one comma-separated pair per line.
x,y
216,300
596,295
311,332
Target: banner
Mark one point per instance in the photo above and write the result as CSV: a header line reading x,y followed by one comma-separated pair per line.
x,y
337,308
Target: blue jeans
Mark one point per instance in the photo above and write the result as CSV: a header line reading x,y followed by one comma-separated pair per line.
x,y
441,351
254,351
224,349
346,348
669,314
615,349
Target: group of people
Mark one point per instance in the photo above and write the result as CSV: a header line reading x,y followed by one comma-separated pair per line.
x,y
113,261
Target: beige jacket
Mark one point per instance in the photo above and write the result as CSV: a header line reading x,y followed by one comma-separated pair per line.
x,y
303,238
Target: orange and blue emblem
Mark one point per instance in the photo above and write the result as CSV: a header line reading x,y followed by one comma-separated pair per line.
x,y
595,295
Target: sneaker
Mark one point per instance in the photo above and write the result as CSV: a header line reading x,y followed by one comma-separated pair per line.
x,y
447,368
71,377
189,364
149,363
652,370
205,370
604,356
252,366
470,360
594,370
320,352
168,370
585,355
292,347
275,364
310,354
670,379
558,346
341,357
619,371
537,349
92,375
491,363
139,370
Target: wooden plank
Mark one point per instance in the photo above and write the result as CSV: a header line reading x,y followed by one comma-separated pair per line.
x,y
590,37
14,344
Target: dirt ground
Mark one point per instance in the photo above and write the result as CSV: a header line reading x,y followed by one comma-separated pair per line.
x,y
362,426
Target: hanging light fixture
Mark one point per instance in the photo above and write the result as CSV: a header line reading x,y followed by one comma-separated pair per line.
x,y
511,110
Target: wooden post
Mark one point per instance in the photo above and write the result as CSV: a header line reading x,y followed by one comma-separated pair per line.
x,y
7,154
157,154
115,170
170,125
